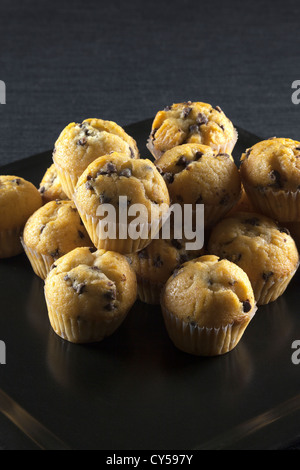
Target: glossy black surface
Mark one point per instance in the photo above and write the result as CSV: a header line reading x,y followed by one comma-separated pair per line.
x,y
135,390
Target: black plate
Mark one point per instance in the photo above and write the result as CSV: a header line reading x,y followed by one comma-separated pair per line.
x,y
135,390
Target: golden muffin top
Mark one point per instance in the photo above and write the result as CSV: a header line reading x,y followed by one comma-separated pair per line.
x,y
257,244
273,163
50,186
87,284
196,174
55,229
210,293
191,122
19,199
80,144
115,175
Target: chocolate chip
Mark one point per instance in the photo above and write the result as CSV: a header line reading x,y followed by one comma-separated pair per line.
x,y
276,176
81,235
82,142
198,155
93,249
224,155
168,108
89,177
67,278
157,262
42,228
266,276
80,288
110,307
217,108
254,221
169,178
17,181
247,306
109,169
89,186
185,112
247,154
201,119
222,127
127,173
55,254
225,200
42,190
95,268
182,161
104,199
193,129
110,295
143,254
131,152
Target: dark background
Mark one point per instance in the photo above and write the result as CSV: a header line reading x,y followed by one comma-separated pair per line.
x,y
125,60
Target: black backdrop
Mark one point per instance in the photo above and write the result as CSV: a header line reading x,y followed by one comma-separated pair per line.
x,y
123,60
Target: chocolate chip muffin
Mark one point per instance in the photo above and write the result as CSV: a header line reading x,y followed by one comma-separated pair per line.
x,y
195,174
119,186
50,186
80,144
270,173
207,306
263,249
51,232
189,122
154,265
19,199
89,294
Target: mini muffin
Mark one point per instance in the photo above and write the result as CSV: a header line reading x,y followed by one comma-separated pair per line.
x,y
197,123
270,173
263,249
50,186
207,306
121,186
80,144
155,264
195,174
19,199
89,294
51,232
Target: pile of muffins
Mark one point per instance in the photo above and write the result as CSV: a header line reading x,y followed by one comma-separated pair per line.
x,y
207,297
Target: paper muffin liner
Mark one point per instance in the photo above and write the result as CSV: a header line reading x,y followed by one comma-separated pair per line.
x,y
68,182
77,330
41,264
126,246
10,244
266,291
149,292
227,147
202,341
283,206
